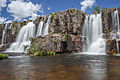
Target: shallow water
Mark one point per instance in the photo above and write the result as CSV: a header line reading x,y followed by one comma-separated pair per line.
x,y
63,67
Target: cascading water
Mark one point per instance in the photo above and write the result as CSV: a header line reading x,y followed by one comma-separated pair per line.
x,y
10,26
46,27
4,35
39,30
92,30
22,40
116,29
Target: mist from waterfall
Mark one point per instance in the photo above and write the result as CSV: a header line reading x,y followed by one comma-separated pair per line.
x,y
22,40
93,32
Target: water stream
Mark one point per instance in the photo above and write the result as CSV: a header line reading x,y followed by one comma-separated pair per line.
x,y
93,32
22,40
45,30
4,35
39,30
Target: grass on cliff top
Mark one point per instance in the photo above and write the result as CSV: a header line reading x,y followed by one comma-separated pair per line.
x,y
3,56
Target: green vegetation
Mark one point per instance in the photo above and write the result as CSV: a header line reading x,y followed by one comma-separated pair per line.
x,y
38,50
52,15
96,9
73,10
44,53
51,33
83,13
23,23
103,9
106,31
3,56
114,54
65,37
119,12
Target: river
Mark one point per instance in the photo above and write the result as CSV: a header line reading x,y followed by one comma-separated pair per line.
x,y
62,67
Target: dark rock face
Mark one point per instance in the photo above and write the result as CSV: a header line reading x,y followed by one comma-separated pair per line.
x,y
107,21
65,30
1,30
74,43
54,42
111,47
70,22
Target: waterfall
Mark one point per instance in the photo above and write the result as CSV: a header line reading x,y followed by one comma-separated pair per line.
x,y
93,32
39,30
116,29
22,40
46,27
4,35
10,26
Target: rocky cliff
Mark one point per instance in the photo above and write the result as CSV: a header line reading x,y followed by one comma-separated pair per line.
x,y
65,31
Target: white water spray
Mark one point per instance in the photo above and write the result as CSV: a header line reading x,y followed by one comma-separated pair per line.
x,y
93,32
22,40
46,27
39,30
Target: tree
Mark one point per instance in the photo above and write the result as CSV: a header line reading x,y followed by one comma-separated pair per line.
x,y
96,9
103,9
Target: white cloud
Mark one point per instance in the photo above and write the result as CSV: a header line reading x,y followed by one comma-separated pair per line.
x,y
2,19
86,3
21,9
48,8
2,3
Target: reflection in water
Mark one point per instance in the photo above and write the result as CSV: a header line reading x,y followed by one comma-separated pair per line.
x,y
64,67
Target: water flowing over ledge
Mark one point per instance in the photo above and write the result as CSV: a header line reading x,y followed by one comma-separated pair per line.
x,y
23,42
69,31
93,32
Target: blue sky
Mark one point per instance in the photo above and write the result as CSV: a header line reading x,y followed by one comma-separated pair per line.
x,y
49,6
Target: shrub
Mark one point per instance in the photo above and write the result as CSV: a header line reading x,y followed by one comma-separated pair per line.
x,y
37,53
3,56
52,15
51,33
